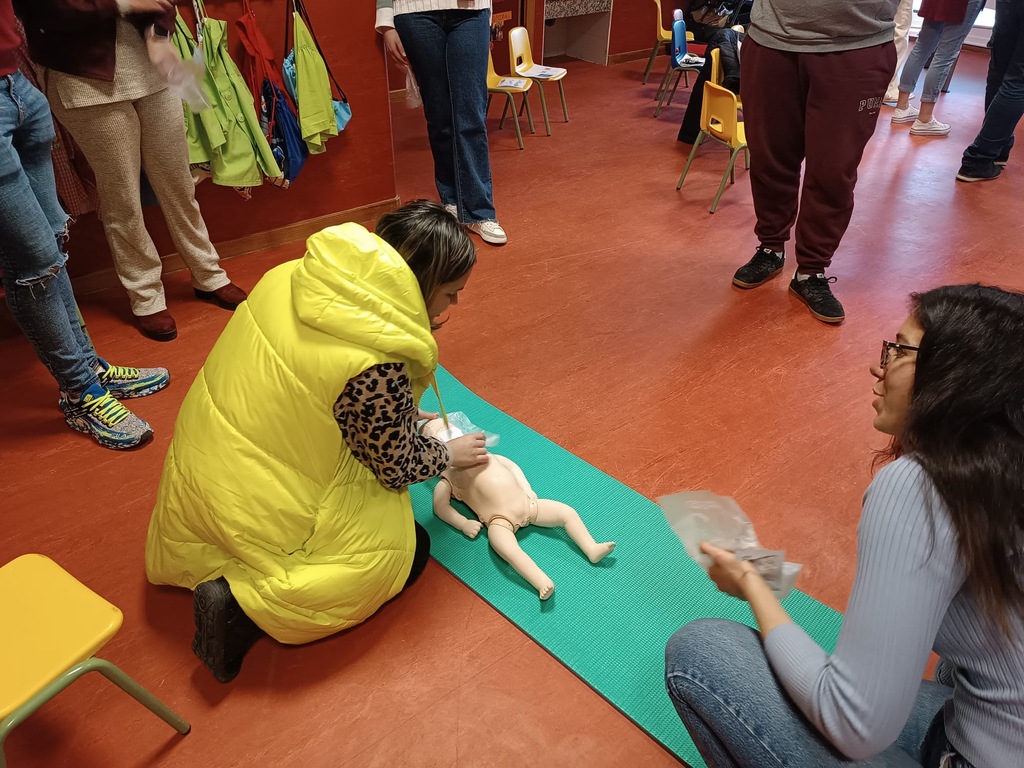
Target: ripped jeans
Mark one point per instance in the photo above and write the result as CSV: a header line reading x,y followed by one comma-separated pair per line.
x,y
33,228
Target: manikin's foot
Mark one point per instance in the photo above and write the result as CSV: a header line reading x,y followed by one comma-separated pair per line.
x,y
545,589
599,552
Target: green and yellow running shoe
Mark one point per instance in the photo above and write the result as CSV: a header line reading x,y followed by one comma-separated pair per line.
x,y
110,423
124,383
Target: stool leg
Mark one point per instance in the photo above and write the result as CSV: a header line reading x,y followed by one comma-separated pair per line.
x,y
565,109
650,61
544,108
689,160
504,111
529,114
515,119
140,694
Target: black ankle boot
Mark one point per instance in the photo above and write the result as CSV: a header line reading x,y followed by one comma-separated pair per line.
x,y
223,632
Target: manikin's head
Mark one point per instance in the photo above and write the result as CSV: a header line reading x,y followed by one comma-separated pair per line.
x,y
436,428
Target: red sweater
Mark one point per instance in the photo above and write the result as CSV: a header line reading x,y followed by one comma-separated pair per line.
x,y
10,41
947,11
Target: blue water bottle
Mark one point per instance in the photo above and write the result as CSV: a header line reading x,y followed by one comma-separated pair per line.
x,y
678,37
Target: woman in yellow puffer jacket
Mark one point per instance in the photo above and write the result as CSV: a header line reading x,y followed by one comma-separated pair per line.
x,y
283,499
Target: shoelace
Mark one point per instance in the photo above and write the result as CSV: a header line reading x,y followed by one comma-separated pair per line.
x,y
819,286
765,257
119,372
106,409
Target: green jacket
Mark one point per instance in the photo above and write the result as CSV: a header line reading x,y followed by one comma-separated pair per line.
x,y
228,135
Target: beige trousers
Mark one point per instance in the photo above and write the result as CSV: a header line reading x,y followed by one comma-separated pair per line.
x,y
904,16
118,140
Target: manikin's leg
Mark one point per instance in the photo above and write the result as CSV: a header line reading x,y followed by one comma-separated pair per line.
x,y
504,542
555,514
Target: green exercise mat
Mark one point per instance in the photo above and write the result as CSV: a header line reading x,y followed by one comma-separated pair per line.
x,y
609,622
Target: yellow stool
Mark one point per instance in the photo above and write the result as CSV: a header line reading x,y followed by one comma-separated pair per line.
x,y
494,86
523,65
663,38
52,626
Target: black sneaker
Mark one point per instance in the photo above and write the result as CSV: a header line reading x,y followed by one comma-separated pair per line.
x,y
817,295
765,265
978,172
1003,159
223,632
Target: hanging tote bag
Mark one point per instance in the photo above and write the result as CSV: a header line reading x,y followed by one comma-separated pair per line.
x,y
339,101
277,117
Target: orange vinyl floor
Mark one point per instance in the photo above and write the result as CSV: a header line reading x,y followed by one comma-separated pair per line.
x,y
609,325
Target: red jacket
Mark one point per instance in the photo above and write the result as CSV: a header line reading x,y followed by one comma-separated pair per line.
x,y
79,36
947,11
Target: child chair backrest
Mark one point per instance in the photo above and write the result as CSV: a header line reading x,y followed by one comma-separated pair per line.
x,y
663,34
718,114
716,66
492,76
519,48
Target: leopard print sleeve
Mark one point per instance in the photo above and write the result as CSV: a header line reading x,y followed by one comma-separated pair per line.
x,y
377,416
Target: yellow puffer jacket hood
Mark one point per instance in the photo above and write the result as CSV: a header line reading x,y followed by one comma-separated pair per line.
x,y
259,485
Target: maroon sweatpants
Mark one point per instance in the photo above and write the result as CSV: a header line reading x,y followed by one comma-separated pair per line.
x,y
818,107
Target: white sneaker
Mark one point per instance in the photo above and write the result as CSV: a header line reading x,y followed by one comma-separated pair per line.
x,y
490,231
932,128
907,115
452,209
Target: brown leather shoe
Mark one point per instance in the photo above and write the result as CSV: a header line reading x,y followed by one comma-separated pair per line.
x,y
159,326
228,297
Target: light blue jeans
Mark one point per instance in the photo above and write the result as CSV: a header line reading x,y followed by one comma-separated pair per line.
x,y
448,54
944,41
33,228
738,715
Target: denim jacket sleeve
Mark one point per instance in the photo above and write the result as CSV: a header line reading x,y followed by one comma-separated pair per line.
x,y
385,15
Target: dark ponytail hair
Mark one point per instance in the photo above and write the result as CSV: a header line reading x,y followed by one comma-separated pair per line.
x,y
965,426
433,243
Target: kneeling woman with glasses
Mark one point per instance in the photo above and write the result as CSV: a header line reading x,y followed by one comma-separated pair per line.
x,y
940,567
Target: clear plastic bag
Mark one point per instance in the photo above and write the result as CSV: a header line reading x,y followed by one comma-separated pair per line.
x,y
413,99
190,88
697,516
459,425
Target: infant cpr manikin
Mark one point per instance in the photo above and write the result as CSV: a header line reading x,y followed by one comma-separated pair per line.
x,y
503,501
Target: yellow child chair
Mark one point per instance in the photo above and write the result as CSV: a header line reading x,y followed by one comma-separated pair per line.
x,y
52,626
664,38
494,86
524,66
718,121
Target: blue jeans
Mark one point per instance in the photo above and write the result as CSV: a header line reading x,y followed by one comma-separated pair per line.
x,y
727,696
448,53
33,228
1004,91
944,41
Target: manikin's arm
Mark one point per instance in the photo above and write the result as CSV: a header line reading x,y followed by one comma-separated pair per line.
x,y
443,509
512,467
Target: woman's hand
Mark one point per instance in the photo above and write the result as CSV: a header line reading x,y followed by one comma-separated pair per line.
x,y
468,451
393,45
165,57
425,415
727,572
150,6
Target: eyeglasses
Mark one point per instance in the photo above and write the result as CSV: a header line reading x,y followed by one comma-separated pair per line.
x,y
891,350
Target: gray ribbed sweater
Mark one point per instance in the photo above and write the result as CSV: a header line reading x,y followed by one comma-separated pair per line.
x,y
909,597
822,26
